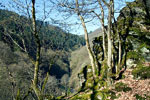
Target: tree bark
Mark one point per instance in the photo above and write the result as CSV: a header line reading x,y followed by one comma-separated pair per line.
x,y
103,28
91,56
120,53
94,62
38,48
109,60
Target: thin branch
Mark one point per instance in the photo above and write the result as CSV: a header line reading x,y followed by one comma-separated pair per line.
x,y
45,17
19,4
107,4
24,50
97,15
15,42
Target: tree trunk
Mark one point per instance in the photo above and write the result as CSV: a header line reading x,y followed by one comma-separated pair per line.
x,y
120,53
94,62
109,40
36,64
103,28
104,45
109,60
91,55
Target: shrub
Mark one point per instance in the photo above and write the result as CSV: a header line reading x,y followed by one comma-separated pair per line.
x,y
122,87
141,72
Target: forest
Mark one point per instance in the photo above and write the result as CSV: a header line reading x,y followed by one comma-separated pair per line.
x,y
42,60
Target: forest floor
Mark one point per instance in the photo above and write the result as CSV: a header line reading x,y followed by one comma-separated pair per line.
x,y
140,87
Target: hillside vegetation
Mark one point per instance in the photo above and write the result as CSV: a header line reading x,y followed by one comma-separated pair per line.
x,y
43,62
16,69
52,37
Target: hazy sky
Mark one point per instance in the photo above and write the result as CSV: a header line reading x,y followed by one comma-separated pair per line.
x,y
75,29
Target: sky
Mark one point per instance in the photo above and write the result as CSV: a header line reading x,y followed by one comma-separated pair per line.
x,y
68,24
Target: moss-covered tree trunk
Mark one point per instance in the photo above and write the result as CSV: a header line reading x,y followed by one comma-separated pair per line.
x,y
37,60
103,28
94,62
109,61
120,53
110,7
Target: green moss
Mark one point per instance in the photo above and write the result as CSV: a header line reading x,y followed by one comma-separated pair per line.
x,y
100,96
105,94
81,97
103,83
60,97
122,87
89,83
103,71
135,4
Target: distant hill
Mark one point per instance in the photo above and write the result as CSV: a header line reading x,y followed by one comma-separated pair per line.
x,y
80,58
52,37
17,29
15,65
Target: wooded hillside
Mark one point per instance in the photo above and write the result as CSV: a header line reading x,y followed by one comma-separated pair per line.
x,y
16,69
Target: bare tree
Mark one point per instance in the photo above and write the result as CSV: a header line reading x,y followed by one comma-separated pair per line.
x,y
114,53
78,8
91,54
83,10
101,18
34,30
37,61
